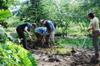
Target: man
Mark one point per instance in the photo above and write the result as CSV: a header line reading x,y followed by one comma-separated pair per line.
x,y
21,29
50,29
94,28
41,33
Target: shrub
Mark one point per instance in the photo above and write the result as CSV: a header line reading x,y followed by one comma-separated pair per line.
x,y
4,14
3,36
14,55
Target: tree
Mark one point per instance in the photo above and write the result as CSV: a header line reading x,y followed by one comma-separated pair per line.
x,y
3,4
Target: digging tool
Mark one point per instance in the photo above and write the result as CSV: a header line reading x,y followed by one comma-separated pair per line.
x,y
84,42
85,39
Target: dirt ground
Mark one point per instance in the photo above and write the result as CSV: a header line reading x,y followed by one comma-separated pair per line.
x,y
53,57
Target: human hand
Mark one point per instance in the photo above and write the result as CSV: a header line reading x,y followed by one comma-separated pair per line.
x,y
88,30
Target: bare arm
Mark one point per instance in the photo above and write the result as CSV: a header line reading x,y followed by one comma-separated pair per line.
x,y
29,33
92,27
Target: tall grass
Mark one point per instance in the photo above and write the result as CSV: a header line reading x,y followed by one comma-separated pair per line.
x,y
78,42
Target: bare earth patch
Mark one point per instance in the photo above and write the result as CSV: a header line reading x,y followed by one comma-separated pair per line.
x,y
56,57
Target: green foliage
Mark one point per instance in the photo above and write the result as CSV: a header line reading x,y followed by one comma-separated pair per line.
x,y
4,14
2,3
3,36
13,21
14,55
72,12
58,11
63,11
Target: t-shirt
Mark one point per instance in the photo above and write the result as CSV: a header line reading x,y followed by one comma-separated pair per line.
x,y
24,27
94,22
50,25
41,30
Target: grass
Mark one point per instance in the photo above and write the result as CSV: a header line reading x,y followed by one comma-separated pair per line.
x,y
78,42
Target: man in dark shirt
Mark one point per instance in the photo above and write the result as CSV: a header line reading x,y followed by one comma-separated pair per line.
x,y
21,29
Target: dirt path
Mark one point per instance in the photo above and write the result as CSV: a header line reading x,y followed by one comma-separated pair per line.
x,y
50,57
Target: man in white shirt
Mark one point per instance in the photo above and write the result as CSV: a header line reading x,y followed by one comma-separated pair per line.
x,y
94,28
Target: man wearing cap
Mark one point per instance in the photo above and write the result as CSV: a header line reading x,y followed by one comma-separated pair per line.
x,y
94,28
50,29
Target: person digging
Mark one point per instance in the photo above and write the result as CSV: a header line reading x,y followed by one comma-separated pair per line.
x,y
50,29
94,28
21,29
41,33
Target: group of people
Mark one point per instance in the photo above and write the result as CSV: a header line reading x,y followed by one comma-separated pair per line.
x,y
44,33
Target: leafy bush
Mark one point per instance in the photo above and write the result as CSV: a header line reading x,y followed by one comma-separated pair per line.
x,y
3,36
14,55
4,23
13,21
4,14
